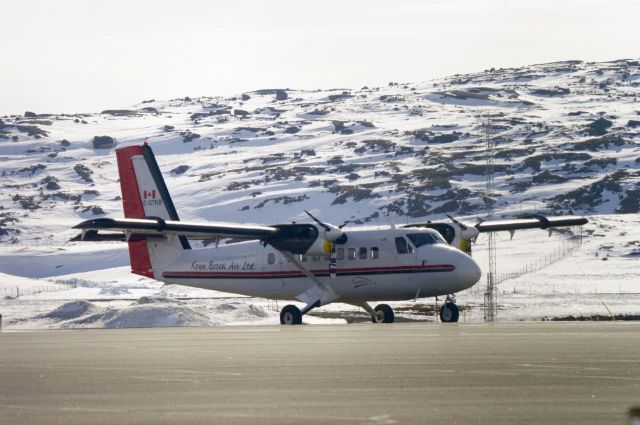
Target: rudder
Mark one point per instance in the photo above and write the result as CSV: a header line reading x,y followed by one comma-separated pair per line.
x,y
145,194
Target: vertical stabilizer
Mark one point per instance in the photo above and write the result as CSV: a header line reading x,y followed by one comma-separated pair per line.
x,y
144,194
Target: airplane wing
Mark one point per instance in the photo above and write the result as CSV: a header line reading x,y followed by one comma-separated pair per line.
x,y
297,238
529,222
152,226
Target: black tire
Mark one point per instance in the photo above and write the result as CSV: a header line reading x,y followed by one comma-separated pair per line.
x,y
383,314
290,315
449,313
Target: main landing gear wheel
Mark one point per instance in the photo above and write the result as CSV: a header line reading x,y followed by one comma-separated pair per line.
x,y
383,314
290,315
449,313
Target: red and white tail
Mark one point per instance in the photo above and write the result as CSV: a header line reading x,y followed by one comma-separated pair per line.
x,y
144,194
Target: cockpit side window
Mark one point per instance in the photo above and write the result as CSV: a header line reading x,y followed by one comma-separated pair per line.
x,y
420,239
401,245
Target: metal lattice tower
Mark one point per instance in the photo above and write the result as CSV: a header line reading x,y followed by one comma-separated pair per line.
x,y
491,292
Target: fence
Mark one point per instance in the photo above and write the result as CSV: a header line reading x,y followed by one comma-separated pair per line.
x,y
569,245
11,292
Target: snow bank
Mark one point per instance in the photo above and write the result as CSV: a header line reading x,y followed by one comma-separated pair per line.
x,y
72,310
148,312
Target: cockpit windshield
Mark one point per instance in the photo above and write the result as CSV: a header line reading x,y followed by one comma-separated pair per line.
x,y
420,239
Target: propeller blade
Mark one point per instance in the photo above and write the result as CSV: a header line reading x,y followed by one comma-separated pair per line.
x,y
459,223
324,226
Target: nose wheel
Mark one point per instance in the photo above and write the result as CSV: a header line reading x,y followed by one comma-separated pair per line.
x,y
449,312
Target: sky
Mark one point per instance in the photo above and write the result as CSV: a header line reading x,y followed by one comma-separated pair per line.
x,y
73,56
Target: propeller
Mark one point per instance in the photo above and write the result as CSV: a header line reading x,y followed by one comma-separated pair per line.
x,y
467,232
331,234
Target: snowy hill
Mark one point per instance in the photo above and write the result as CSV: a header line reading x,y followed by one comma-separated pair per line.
x,y
567,138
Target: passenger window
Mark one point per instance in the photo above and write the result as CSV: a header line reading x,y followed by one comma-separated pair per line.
x,y
401,245
340,253
351,253
304,258
362,253
271,258
315,258
375,253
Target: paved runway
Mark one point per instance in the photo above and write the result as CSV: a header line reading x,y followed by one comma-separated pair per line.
x,y
524,373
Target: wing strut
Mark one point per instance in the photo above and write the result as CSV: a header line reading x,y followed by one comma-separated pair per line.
x,y
319,294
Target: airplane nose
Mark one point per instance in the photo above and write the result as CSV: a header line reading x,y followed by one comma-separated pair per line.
x,y
468,271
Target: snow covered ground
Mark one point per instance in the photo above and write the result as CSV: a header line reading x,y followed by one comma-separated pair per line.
x,y
567,138
599,277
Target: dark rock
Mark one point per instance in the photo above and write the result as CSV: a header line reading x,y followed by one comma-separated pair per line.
x,y
633,123
65,143
590,196
335,160
26,202
308,152
188,136
346,131
240,113
388,98
556,91
336,97
30,114
103,142
323,111
449,206
535,161
547,177
246,97
168,128
599,127
95,210
601,162
84,172
150,110
281,95
630,204
181,169
599,142
428,137
338,126
32,169
52,183
292,130
120,112
52,186
32,130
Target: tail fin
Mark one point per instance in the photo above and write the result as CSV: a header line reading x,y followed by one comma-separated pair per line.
x,y
144,194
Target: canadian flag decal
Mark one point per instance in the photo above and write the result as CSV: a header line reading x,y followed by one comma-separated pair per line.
x,y
149,194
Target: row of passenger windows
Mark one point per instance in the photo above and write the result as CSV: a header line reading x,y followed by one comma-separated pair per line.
x,y
402,247
350,254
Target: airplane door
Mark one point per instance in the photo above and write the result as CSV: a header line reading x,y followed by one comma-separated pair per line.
x,y
272,268
405,251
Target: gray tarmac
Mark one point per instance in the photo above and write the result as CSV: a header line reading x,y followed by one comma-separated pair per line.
x,y
521,373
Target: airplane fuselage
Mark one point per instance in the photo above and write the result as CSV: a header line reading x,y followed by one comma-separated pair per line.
x,y
373,264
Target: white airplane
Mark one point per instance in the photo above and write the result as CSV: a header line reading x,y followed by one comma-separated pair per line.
x,y
315,263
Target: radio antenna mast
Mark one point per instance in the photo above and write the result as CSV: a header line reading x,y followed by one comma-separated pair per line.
x,y
490,293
